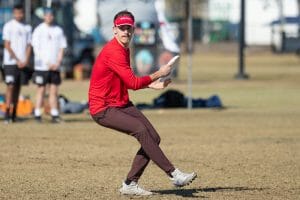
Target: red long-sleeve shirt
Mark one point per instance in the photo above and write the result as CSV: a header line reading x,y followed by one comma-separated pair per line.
x,y
111,78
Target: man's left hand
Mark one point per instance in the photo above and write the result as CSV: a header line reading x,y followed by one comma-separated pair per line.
x,y
53,67
158,84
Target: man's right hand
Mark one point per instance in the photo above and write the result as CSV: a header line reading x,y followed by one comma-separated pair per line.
x,y
21,65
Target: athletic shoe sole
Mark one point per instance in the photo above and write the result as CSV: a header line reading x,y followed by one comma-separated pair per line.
x,y
194,177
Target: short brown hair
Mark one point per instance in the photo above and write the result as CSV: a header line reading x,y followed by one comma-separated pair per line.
x,y
18,7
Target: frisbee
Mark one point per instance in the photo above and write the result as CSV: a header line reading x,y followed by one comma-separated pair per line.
x,y
171,62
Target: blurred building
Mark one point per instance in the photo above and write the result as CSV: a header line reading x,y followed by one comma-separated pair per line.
x,y
217,20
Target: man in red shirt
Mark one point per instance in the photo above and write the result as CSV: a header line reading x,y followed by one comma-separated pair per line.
x,y
110,107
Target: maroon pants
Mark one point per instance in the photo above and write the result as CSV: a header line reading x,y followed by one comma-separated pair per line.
x,y
131,121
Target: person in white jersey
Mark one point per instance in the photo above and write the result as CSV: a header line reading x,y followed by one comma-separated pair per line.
x,y
48,43
17,50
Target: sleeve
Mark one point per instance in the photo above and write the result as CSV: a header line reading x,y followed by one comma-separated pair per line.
x,y
120,66
29,35
62,40
6,33
35,42
34,38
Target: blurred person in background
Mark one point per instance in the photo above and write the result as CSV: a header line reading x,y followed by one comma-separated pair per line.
x,y
17,50
110,106
48,43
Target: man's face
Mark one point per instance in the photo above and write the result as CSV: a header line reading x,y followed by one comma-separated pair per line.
x,y
48,18
18,14
123,34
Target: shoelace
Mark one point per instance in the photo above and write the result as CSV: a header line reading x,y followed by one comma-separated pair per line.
x,y
179,173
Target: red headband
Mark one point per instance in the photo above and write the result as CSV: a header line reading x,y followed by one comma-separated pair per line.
x,y
124,20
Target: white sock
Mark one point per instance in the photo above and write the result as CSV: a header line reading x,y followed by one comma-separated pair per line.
x,y
54,112
37,112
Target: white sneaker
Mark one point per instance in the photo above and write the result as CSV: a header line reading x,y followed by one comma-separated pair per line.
x,y
180,179
133,189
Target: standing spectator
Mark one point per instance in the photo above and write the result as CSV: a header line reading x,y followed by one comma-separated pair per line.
x,y
17,50
110,106
48,43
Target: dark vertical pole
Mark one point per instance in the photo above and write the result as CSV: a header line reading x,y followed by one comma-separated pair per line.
x,y
299,16
186,25
282,26
190,52
28,11
241,74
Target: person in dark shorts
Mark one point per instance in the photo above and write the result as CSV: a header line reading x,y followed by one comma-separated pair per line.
x,y
17,50
48,43
110,106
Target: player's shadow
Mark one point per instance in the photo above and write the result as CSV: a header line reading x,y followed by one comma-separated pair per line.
x,y
191,193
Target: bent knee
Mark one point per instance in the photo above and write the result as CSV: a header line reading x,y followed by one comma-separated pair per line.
x,y
157,139
141,133
140,129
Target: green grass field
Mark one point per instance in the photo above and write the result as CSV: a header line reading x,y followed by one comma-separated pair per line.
x,y
250,150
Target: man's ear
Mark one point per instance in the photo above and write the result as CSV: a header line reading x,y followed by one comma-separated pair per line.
x,y
115,30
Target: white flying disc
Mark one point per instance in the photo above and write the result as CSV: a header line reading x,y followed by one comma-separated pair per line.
x,y
171,62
